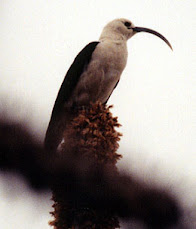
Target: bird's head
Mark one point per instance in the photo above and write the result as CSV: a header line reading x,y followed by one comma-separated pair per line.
x,y
123,29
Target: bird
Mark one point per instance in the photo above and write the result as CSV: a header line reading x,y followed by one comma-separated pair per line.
x,y
94,73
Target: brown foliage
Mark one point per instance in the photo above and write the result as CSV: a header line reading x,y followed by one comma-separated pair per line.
x,y
92,135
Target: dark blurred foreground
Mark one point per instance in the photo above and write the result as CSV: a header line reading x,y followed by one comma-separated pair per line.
x,y
101,188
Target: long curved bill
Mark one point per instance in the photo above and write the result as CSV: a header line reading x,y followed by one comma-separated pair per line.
x,y
141,29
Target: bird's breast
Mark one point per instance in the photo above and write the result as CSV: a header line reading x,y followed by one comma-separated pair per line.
x,y
111,55
102,73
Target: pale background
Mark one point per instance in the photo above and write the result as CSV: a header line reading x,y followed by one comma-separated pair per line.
x,y
155,100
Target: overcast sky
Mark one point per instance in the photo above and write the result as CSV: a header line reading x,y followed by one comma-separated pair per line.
x,y
155,99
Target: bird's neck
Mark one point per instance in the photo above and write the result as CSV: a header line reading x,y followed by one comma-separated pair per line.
x,y
112,36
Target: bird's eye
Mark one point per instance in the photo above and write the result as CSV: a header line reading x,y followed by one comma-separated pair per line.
x,y
127,24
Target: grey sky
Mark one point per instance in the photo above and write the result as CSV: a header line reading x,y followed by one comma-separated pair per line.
x,y
155,100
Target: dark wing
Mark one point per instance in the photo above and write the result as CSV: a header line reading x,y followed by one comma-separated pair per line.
x,y
72,77
59,116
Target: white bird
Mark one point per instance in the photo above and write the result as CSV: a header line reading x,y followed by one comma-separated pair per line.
x,y
95,72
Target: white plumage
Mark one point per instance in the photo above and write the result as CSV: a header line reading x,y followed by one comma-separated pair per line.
x,y
105,67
